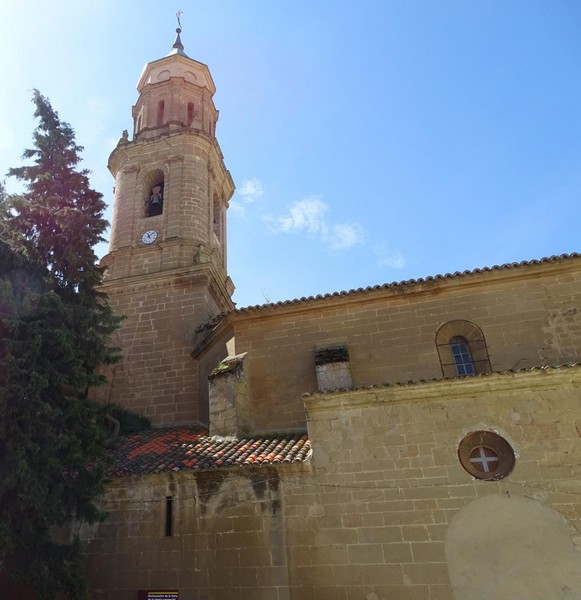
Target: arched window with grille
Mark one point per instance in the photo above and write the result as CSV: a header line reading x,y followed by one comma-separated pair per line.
x,y
462,349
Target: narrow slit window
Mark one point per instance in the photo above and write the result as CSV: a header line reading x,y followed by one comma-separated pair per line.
x,y
160,111
168,516
190,113
463,360
217,219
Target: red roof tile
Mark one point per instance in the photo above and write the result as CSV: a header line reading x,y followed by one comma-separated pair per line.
x,y
190,448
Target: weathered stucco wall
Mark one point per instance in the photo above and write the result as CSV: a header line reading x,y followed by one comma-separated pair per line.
x,y
503,546
383,510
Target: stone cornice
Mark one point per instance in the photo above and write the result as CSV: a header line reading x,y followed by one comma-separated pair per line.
x,y
132,151
537,379
201,272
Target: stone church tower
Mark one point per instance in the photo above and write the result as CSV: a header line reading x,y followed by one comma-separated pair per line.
x,y
166,267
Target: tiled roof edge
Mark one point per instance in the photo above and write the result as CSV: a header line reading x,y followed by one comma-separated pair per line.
x,y
438,379
408,282
190,448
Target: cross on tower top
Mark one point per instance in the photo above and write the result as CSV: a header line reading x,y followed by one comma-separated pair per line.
x,y
177,45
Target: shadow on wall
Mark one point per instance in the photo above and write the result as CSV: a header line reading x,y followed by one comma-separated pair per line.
x,y
512,548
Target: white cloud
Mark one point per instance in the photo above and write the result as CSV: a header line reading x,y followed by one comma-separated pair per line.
x,y
305,215
345,236
311,216
388,257
251,190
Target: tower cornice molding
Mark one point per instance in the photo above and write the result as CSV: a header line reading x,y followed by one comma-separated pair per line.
x,y
208,274
177,66
132,153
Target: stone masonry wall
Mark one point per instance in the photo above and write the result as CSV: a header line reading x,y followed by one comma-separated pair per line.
x,y
529,316
167,289
157,376
228,536
192,170
389,483
372,515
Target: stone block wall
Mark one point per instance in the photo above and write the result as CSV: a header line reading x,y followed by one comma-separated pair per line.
x,y
382,510
167,289
529,316
228,539
389,459
157,377
193,172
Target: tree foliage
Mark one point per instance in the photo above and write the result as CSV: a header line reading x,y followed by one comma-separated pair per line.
x,y
55,326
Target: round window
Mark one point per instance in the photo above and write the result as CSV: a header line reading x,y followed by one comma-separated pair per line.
x,y
486,455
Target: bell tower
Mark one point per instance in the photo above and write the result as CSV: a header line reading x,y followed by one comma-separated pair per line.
x,y
166,267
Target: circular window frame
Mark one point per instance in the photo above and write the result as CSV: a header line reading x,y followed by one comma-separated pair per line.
x,y
494,443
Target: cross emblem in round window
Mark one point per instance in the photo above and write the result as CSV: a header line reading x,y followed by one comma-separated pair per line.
x,y
484,459
486,455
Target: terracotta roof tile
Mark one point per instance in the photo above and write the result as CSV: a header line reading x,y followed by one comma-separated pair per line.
x,y
189,447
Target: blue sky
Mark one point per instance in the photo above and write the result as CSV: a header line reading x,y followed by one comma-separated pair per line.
x,y
370,141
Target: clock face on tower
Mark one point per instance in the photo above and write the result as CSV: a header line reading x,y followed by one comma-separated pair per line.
x,y
149,236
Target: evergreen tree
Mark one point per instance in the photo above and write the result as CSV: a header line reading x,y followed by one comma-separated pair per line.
x,y
55,326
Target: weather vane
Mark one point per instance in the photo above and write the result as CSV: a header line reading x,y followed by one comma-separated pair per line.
x,y
178,15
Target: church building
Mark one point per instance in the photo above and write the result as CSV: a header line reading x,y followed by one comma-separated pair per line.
x,y
418,440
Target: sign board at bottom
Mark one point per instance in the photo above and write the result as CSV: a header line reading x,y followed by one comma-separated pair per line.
x,y
158,595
